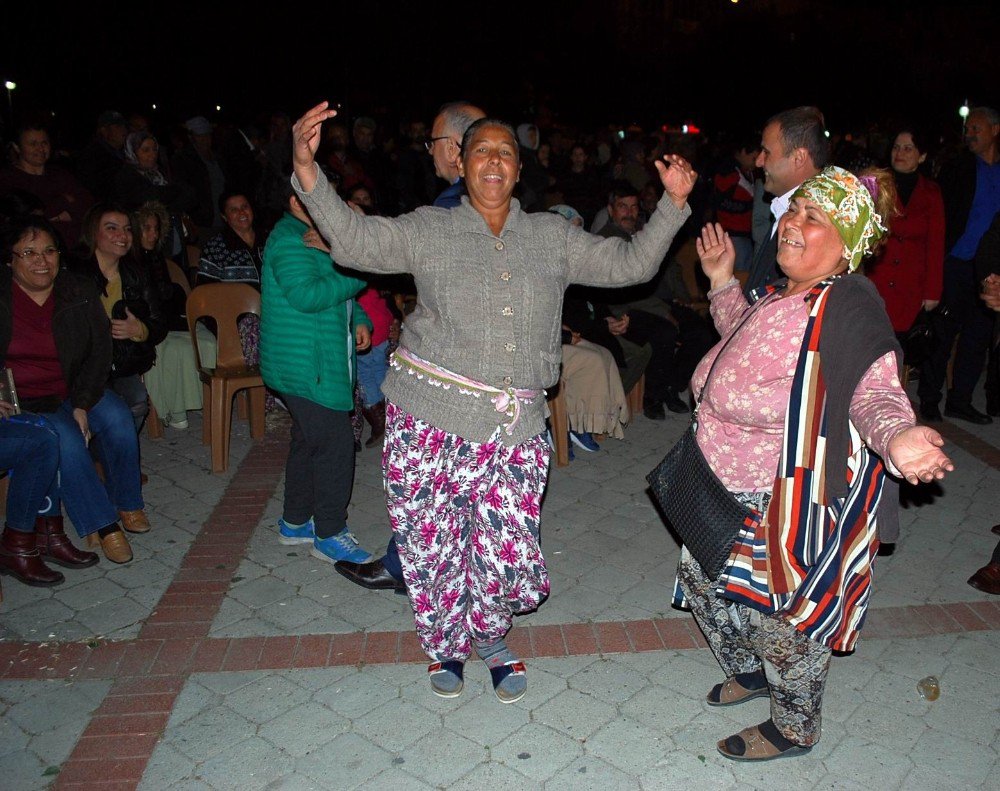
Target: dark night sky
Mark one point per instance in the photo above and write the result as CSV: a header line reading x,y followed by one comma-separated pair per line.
x,y
707,61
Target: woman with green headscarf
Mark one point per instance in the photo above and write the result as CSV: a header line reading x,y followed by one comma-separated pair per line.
x,y
804,421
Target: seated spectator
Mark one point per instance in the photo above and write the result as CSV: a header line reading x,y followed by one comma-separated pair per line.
x,y
580,185
415,182
595,398
29,452
732,198
196,166
130,300
57,342
236,256
173,383
373,161
64,200
588,312
345,169
142,180
104,156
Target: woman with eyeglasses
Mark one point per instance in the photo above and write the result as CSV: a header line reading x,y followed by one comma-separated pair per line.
x,y
56,339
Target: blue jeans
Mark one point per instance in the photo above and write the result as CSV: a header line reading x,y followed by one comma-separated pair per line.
x,y
29,450
372,368
90,504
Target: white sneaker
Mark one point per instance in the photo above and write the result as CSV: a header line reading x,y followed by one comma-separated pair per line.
x,y
178,423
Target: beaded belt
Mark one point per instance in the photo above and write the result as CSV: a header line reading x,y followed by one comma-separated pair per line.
x,y
507,401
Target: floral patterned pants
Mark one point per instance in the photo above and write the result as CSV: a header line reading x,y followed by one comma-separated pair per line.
x,y
465,518
745,640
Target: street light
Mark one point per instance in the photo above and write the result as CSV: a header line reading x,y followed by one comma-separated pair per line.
x,y
10,85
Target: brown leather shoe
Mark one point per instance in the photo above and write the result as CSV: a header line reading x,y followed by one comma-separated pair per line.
x,y
987,579
19,556
731,692
115,546
53,544
135,521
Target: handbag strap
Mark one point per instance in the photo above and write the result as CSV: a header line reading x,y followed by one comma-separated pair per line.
x,y
746,316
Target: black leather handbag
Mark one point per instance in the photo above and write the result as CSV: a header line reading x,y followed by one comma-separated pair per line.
x,y
696,503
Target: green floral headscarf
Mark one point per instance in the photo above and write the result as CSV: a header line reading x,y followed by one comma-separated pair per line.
x,y
847,201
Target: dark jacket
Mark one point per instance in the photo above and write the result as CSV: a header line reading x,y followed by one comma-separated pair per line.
x,y
82,335
958,188
139,296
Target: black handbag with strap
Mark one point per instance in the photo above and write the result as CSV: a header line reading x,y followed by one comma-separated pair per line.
x,y
696,503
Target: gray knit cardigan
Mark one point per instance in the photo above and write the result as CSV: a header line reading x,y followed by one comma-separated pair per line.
x,y
488,307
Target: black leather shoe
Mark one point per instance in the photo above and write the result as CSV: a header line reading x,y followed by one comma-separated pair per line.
x,y
967,412
675,403
654,411
929,412
371,575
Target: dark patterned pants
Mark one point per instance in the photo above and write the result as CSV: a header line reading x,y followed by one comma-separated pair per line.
x,y
746,640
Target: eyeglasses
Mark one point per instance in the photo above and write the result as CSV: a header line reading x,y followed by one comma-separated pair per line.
x,y
31,256
429,144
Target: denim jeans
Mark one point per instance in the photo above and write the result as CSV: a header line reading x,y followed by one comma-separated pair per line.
x,y
372,368
29,451
90,504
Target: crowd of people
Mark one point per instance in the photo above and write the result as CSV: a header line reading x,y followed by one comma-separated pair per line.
x,y
476,266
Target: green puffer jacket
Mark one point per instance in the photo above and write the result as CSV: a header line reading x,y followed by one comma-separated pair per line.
x,y
307,320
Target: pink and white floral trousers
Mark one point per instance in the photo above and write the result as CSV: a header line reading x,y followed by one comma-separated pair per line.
x,y
465,517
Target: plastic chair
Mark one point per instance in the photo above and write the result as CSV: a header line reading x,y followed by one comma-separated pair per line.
x,y
225,303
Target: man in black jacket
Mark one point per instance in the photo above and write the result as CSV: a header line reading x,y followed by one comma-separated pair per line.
x,y
970,187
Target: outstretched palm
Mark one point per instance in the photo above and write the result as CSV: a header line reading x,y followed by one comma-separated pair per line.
x,y
917,454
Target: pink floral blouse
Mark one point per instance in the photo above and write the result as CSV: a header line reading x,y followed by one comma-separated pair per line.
x,y
742,416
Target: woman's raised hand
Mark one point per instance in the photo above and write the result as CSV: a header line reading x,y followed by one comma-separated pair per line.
x,y
917,454
717,254
678,178
305,143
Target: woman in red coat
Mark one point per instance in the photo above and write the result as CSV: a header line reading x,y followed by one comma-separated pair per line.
x,y
908,273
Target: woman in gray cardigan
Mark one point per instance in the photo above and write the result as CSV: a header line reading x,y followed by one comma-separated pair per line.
x,y
465,462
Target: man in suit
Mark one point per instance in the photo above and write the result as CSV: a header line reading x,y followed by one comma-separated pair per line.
x,y
793,148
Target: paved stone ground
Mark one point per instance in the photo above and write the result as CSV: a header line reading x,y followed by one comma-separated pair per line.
x,y
220,659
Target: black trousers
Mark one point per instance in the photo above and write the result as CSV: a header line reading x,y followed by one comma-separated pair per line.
x,y
972,322
319,473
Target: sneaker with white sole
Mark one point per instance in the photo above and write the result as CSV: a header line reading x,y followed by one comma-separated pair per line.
x,y
584,440
343,546
290,536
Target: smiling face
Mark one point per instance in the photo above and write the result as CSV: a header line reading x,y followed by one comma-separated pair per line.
x,y
114,236
491,167
906,158
779,167
35,273
238,214
809,247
